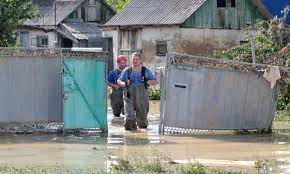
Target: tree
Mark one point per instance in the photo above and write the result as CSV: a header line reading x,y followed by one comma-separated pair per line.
x,y
272,40
12,15
117,5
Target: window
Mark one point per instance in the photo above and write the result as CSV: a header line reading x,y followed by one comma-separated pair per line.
x,y
24,39
161,48
92,2
42,41
221,3
129,39
83,13
226,3
233,3
73,15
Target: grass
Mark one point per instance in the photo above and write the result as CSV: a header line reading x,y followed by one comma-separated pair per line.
x,y
43,170
158,168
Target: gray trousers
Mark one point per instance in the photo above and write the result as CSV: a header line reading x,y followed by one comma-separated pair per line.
x,y
137,106
117,102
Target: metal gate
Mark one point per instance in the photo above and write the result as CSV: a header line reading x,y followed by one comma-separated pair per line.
x,y
215,94
84,83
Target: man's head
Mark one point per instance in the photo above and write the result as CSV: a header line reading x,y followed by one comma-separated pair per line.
x,y
121,60
136,59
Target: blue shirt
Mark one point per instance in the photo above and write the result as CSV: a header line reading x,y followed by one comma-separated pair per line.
x,y
114,76
135,76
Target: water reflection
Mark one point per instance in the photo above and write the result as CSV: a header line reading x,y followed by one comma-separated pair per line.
x,y
221,148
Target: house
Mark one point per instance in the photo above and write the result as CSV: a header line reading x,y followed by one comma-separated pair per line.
x,y
276,6
66,23
195,27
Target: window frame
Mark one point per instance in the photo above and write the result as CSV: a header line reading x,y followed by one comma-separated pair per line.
x,y
40,39
158,50
21,42
226,3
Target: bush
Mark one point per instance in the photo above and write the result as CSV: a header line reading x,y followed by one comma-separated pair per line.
x,y
193,169
154,94
283,101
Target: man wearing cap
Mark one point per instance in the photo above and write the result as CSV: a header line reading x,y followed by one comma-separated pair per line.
x,y
136,79
116,96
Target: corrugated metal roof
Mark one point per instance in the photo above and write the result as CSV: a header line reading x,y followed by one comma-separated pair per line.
x,y
46,9
162,12
84,30
155,12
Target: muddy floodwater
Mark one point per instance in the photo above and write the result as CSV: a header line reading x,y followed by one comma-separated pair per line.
x,y
96,150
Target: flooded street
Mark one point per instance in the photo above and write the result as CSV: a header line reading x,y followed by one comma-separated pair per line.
x,y
98,151
52,150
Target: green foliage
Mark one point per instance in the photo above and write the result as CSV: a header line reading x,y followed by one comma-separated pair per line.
x,y
155,167
283,116
12,14
270,37
197,168
193,169
124,167
154,94
117,5
283,101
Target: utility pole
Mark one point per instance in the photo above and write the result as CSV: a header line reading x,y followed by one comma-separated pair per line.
x,y
253,46
55,27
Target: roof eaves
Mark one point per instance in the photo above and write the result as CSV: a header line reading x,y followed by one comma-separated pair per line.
x,y
139,25
77,6
262,9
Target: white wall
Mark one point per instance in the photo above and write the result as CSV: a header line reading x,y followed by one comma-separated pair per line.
x,y
190,41
186,41
114,33
34,33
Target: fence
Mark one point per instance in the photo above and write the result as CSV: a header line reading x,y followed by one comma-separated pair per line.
x,y
212,94
33,84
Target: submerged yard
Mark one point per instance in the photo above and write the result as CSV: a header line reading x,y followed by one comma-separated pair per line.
x,y
146,151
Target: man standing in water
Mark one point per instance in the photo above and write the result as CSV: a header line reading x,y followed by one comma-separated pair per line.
x,y
136,80
116,96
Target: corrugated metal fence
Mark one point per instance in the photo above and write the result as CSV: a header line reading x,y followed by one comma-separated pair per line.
x,y
31,87
213,94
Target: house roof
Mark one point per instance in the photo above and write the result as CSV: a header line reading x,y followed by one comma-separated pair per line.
x,y
46,9
83,30
276,6
155,12
162,12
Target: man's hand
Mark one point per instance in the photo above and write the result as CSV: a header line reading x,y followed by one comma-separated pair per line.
x,y
151,82
116,87
124,84
128,82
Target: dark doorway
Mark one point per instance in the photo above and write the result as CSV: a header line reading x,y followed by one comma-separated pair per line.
x,y
67,43
108,47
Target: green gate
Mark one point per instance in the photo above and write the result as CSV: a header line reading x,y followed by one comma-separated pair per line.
x,y
84,90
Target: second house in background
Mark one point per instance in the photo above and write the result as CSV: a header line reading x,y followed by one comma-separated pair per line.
x,y
69,23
